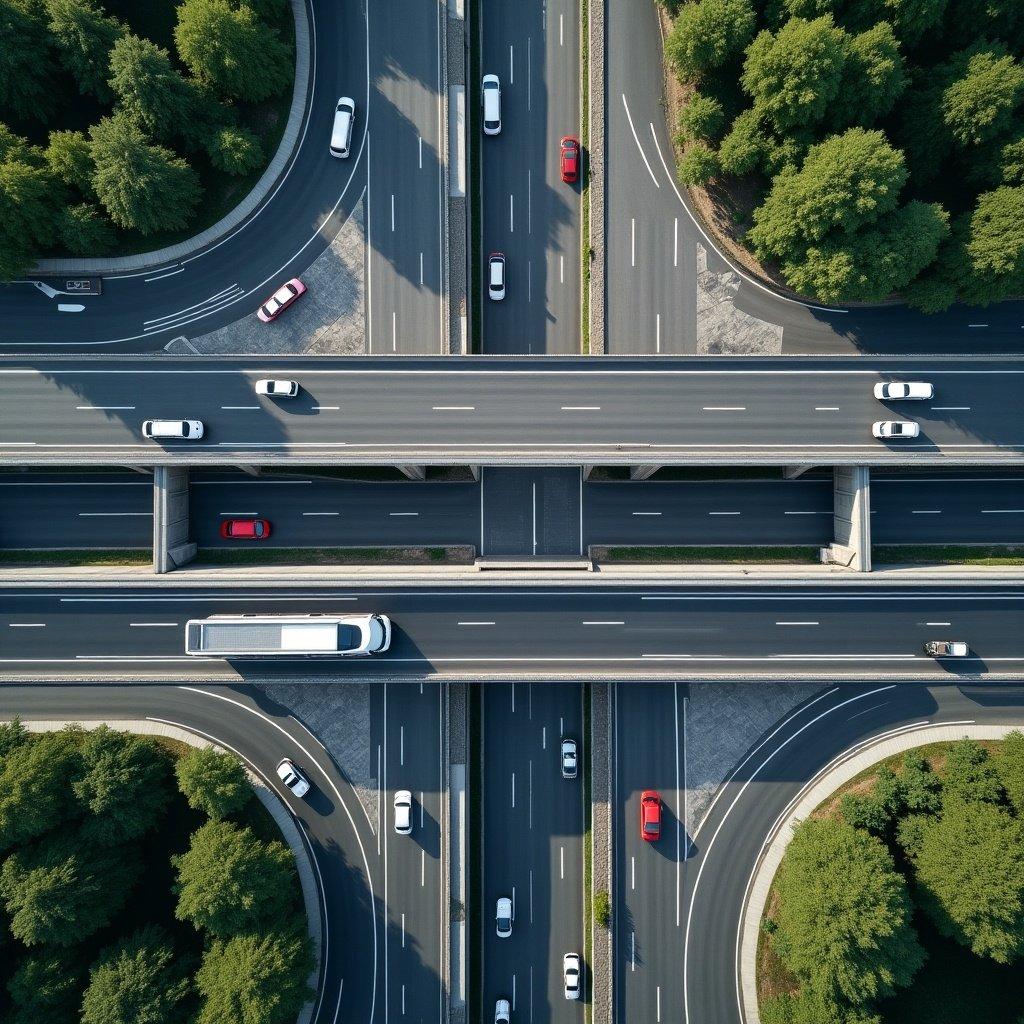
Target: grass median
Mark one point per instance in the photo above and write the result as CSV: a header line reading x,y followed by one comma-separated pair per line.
x,y
707,555
24,558
948,554
336,556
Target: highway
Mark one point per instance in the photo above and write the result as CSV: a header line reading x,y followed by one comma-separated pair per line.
x,y
530,412
729,840
112,509
486,632
647,907
532,848
529,214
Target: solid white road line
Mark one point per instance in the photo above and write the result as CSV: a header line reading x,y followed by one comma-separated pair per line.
x,y
95,515
636,139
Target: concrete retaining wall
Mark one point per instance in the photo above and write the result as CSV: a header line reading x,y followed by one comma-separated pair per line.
x,y
171,526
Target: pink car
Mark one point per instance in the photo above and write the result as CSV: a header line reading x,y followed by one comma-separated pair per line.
x,y
281,300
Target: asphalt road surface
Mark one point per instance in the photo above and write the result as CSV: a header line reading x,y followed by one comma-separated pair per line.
x,y
529,411
532,848
728,842
647,909
529,633
111,510
338,834
529,214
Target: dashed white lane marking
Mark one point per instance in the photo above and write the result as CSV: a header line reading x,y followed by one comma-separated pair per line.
x,y
97,515
603,622
797,623
581,408
326,408
403,513
950,408
26,625
723,408
476,623
826,408
1001,511
103,408
321,513
926,511
231,408
632,241
938,623
141,624
725,513
453,408
647,513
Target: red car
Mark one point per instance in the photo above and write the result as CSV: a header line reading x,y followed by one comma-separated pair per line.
x,y
245,529
570,149
650,815
281,300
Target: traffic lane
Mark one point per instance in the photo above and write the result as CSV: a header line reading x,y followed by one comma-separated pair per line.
x,y
305,512
729,841
652,633
404,231
947,510
88,510
709,512
413,863
360,410
533,828
648,914
261,732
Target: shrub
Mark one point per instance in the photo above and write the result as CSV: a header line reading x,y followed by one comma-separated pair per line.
x,y
235,150
213,782
602,908
702,118
698,165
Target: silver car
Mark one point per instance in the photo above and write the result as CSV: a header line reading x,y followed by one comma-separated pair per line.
x,y
288,772
502,1012
893,391
403,812
569,763
503,918
571,975
277,388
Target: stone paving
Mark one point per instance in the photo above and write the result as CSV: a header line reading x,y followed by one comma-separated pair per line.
x,y
723,721
330,319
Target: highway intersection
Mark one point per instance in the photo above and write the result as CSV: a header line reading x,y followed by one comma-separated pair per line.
x,y
520,427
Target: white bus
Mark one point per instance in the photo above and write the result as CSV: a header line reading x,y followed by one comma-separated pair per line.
x,y
315,635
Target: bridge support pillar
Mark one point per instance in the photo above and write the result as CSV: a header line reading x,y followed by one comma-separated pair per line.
x,y
171,545
642,472
792,472
413,472
251,470
587,470
851,518
475,470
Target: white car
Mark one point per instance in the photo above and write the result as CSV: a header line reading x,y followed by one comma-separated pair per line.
x,y
885,429
894,390
277,388
503,918
292,777
403,812
946,649
569,765
571,975
491,99
173,430
502,1012
496,276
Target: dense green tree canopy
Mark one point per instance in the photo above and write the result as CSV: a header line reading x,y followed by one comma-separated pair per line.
x,y
230,882
844,915
707,33
46,986
213,781
35,789
255,979
25,71
83,36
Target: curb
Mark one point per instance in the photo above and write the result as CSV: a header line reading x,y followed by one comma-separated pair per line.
x,y
286,149
266,796
845,767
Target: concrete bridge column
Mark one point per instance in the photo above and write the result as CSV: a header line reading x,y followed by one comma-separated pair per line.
x,y
171,545
792,472
413,472
642,472
851,518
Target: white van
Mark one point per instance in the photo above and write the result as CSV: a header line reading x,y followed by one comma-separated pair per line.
x,y
344,120
173,430
492,105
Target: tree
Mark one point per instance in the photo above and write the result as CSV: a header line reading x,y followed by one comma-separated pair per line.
x,y
85,231
706,34
256,979
743,149
83,36
970,773
922,788
137,981
796,74
1009,767
13,735
912,19
150,89
47,987
61,891
985,87
26,80
34,786
807,1007
995,247
701,119
213,781
873,78
123,786
229,881
69,157
970,873
141,186
867,266
699,164
846,182
228,48
844,915
1011,162
235,150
